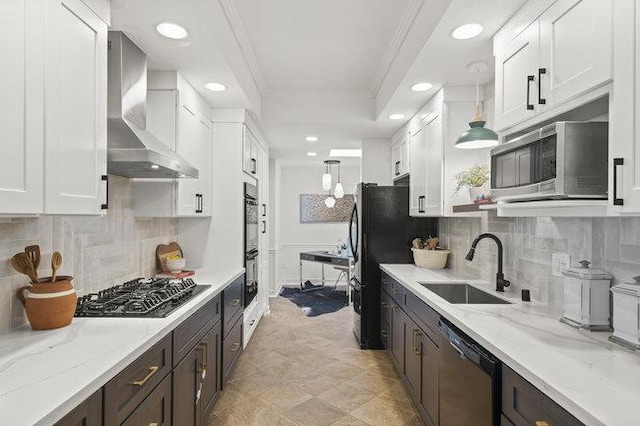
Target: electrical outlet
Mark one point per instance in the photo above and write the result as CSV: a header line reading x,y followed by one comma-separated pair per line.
x,y
559,263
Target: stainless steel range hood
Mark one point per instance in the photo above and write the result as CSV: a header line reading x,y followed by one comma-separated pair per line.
x,y
132,151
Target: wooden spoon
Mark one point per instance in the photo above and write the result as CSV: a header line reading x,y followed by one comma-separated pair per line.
x,y
56,262
22,263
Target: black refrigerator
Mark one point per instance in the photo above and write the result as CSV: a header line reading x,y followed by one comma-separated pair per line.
x,y
380,231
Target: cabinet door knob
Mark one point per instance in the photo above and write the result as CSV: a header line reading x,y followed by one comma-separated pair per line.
x,y
235,347
234,302
541,423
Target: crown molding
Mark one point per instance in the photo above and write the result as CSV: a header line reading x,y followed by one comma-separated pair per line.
x,y
235,22
408,18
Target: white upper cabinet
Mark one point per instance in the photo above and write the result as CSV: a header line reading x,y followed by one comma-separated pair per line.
x,y
75,109
575,48
417,171
562,52
400,154
180,118
624,131
515,87
54,108
21,106
434,158
250,153
433,204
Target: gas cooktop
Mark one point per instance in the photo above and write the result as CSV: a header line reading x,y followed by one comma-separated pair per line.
x,y
139,298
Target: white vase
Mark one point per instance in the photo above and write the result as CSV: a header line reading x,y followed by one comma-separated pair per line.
x,y
476,191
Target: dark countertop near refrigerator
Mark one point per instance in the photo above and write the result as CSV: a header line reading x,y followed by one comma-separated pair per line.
x,y
592,378
45,374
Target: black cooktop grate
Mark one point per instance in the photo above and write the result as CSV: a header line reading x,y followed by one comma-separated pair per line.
x,y
140,298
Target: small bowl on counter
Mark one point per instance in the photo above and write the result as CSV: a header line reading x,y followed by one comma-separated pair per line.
x,y
176,265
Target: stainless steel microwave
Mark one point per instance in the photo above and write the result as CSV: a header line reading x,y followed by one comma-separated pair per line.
x,y
564,160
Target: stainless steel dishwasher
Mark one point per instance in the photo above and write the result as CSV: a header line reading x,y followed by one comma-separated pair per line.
x,y
470,379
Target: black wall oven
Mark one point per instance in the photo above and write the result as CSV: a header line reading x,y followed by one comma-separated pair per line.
x,y
251,242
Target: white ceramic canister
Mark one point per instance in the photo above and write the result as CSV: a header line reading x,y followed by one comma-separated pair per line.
x,y
586,297
626,314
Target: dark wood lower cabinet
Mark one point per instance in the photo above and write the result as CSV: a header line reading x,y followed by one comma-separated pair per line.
x,y
396,337
415,355
155,409
523,404
231,349
196,380
429,380
89,413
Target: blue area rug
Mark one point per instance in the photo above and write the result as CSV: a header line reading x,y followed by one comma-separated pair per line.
x,y
317,302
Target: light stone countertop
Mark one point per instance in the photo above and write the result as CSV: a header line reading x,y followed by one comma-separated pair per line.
x,y
595,380
45,374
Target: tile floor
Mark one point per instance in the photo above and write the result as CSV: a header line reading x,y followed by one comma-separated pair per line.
x,y
309,371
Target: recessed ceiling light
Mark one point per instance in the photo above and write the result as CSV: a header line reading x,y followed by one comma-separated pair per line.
x,y
396,116
421,87
155,166
215,87
466,31
311,139
312,154
172,31
345,153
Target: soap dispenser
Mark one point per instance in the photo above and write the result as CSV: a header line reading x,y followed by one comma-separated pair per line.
x,y
586,297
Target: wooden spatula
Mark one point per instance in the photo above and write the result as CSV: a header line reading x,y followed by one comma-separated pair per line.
x,y
34,254
22,263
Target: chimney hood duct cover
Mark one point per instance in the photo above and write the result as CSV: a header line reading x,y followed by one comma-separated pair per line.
x,y
132,151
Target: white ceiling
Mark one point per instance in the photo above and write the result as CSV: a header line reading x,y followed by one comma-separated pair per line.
x,y
328,44
332,68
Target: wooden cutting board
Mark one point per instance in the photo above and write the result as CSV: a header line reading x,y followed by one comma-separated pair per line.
x,y
163,251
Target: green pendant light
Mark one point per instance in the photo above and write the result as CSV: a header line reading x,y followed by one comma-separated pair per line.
x,y
477,136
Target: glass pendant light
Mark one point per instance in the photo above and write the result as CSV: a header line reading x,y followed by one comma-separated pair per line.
x,y
477,136
326,177
330,202
338,192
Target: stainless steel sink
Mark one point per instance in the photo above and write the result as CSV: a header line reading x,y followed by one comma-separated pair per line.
x,y
464,293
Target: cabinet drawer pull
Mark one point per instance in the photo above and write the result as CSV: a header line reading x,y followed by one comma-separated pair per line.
x,y
264,210
235,347
254,166
530,78
105,206
204,346
384,333
384,305
416,335
617,162
397,168
264,226
235,302
421,200
152,370
153,424
541,423
541,100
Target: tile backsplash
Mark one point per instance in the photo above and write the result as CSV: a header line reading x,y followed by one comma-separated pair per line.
x,y
609,243
98,251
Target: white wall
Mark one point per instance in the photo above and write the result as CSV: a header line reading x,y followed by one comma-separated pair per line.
x,y
376,161
295,237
